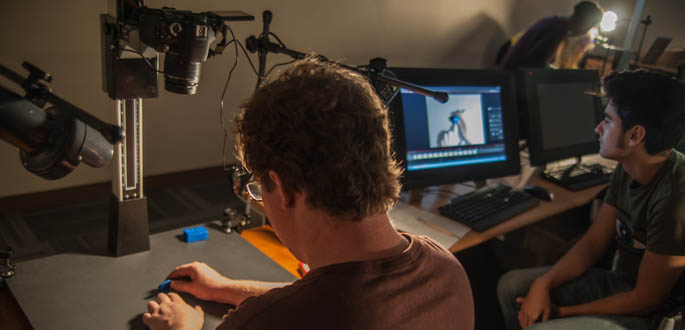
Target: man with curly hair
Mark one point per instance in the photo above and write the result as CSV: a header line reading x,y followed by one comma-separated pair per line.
x,y
317,143
643,210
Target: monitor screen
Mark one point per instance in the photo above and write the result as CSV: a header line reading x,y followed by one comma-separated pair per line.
x,y
470,137
562,113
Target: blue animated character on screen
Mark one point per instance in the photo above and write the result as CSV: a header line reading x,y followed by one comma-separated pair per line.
x,y
456,134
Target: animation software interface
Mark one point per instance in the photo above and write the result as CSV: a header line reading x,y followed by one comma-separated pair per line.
x,y
465,130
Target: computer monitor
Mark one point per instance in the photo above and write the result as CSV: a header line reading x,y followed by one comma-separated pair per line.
x,y
562,113
471,137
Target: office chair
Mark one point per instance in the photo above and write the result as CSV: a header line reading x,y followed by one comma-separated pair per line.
x,y
681,146
673,321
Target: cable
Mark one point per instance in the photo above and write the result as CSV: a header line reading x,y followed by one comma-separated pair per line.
x,y
248,57
237,43
223,94
124,34
277,65
279,39
142,56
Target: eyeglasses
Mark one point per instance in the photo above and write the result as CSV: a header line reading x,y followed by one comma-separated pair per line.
x,y
254,190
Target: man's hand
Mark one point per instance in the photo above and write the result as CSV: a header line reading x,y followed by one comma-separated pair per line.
x,y
171,312
535,305
204,282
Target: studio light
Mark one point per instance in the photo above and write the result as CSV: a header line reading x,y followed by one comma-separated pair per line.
x,y
608,23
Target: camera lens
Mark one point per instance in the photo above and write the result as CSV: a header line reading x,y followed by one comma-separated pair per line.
x,y
180,75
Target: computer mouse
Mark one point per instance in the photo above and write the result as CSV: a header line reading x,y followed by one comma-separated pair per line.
x,y
539,192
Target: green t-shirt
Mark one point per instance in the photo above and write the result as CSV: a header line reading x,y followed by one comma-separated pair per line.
x,y
651,217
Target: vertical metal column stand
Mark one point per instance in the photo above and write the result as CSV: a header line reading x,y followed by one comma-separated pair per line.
x,y
630,36
127,81
128,222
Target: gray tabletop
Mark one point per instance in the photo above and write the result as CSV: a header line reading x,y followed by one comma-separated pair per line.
x,y
79,291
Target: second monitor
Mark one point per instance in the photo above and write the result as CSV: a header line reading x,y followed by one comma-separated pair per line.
x,y
563,109
562,113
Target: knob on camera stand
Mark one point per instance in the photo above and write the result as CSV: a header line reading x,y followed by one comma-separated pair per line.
x,y
234,220
7,268
246,216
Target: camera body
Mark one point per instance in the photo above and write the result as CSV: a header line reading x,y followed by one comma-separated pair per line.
x,y
184,37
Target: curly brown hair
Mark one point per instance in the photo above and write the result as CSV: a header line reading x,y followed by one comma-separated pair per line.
x,y
325,132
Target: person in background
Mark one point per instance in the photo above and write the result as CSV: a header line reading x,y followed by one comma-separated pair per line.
x,y
643,210
537,47
318,145
571,51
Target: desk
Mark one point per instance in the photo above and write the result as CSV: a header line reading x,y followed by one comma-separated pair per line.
x,y
77,291
564,200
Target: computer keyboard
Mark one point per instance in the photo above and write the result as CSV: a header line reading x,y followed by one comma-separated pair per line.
x,y
581,177
488,206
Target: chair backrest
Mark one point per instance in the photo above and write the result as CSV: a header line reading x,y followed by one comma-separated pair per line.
x,y
681,146
673,321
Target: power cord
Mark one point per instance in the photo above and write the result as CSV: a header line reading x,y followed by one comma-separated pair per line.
x,y
223,95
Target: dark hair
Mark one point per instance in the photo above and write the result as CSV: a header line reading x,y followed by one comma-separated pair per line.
x,y
324,130
650,99
587,12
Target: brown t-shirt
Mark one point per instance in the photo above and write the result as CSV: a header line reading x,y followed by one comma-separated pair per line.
x,y
424,287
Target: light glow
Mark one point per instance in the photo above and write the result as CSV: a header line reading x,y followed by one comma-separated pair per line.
x,y
593,33
608,23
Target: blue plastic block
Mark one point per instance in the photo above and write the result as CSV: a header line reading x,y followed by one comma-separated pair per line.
x,y
195,234
165,286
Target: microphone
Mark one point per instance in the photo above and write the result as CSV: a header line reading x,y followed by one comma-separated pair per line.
x,y
266,18
263,44
441,97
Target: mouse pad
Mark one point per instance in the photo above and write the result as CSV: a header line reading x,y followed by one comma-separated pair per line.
x,y
79,291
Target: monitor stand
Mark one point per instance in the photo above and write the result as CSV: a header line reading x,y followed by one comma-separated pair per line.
x,y
578,175
479,184
416,195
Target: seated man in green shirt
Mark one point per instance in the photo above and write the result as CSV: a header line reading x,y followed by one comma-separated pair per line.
x,y
644,209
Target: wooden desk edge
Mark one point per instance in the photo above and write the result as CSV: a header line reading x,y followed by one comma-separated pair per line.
x,y
566,200
544,211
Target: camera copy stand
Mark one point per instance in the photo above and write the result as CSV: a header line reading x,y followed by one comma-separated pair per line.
x,y
185,38
127,81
